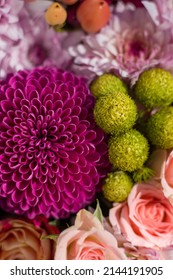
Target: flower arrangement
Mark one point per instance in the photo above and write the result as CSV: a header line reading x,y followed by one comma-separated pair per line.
x,y
86,130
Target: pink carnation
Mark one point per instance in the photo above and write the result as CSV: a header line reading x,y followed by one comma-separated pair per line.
x,y
146,219
129,44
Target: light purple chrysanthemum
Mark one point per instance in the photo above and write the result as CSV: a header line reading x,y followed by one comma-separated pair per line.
x,y
52,155
129,44
160,11
40,46
10,30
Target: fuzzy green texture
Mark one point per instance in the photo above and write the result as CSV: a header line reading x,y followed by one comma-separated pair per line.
x,y
159,128
115,114
143,174
117,186
154,88
129,151
107,83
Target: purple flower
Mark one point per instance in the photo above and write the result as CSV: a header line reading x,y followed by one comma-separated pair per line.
x,y
129,44
160,11
10,30
52,155
39,48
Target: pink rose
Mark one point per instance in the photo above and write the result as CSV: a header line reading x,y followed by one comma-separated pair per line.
x,y
21,240
162,163
146,219
87,240
167,177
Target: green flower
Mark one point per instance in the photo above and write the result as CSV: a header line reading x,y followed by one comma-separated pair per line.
x,y
154,88
107,83
117,186
115,113
129,151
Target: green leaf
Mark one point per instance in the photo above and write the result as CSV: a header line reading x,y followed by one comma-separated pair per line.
x,y
51,236
98,212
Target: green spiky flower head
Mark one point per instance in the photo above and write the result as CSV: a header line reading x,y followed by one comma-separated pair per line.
x,y
143,174
129,151
115,113
159,128
107,83
154,88
117,186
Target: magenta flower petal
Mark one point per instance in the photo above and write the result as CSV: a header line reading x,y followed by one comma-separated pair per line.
x,y
52,155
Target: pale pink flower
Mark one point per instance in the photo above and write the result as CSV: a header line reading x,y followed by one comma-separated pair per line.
x,y
167,176
146,218
10,31
40,45
40,48
166,253
9,19
129,44
144,253
87,240
162,163
160,11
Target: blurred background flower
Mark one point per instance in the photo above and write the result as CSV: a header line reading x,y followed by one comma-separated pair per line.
x,y
129,44
10,30
21,240
27,41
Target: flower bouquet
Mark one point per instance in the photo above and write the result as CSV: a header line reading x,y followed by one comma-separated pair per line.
x,y
86,130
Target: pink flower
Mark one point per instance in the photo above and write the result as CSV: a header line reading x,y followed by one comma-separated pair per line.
x,y
162,163
146,219
21,240
160,11
38,48
129,44
9,19
87,240
10,31
167,176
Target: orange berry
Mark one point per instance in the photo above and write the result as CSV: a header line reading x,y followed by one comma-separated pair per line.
x,y
55,14
93,15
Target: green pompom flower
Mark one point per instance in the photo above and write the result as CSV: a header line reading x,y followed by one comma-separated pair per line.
x,y
154,88
129,151
115,113
107,83
117,186
159,128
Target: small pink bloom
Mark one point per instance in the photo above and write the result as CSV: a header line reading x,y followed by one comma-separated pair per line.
x,y
146,219
87,240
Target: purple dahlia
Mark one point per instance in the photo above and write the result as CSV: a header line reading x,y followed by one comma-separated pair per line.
x,y
52,155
